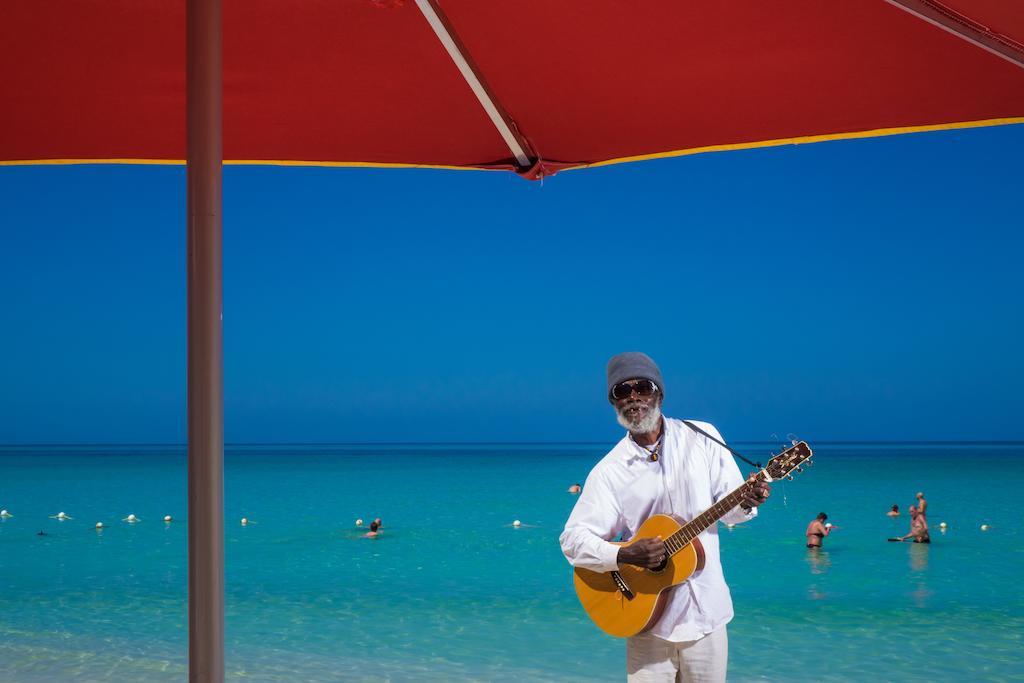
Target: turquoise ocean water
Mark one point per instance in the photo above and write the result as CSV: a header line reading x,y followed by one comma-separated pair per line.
x,y
452,591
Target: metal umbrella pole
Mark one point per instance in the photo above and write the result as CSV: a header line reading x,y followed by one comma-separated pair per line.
x,y
205,345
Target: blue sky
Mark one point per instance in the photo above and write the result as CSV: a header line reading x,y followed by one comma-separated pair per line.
x,y
861,290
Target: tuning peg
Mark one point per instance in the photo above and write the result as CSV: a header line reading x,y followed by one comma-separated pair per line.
x,y
809,463
799,469
789,476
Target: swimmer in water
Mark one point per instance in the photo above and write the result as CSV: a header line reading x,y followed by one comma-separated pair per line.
x,y
817,530
575,489
373,533
895,511
918,528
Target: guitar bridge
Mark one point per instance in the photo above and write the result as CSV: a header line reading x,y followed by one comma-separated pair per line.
x,y
622,586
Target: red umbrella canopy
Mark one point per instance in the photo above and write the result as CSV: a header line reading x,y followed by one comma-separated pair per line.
x,y
529,85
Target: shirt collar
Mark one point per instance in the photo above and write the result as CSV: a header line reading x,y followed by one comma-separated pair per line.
x,y
635,450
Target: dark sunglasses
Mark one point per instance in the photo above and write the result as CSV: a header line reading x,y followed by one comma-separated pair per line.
x,y
642,387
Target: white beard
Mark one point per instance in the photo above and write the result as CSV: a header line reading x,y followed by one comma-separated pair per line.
x,y
645,424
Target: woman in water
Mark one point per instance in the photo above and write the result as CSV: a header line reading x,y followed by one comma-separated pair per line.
x,y
817,530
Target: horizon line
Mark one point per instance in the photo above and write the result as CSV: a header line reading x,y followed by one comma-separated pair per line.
x,y
1007,442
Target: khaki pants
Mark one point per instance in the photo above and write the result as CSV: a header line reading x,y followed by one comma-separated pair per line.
x,y
650,659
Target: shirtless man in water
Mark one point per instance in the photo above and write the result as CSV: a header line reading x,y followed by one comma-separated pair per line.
x,y
918,527
817,530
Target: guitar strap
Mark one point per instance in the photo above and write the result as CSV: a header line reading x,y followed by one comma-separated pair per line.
x,y
701,431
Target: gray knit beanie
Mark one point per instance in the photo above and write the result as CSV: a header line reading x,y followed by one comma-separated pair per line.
x,y
633,365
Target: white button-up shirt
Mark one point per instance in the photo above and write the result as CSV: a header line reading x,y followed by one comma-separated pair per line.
x,y
626,488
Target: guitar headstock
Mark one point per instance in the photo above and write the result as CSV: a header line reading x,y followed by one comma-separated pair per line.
x,y
791,459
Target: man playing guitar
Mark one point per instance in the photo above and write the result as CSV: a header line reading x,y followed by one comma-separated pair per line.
x,y
661,466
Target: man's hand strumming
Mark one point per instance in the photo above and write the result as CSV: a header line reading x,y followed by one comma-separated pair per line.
x,y
645,552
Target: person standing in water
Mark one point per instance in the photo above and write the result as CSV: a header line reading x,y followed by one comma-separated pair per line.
x,y
918,527
817,530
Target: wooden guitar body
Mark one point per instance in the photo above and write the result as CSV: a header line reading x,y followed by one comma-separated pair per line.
x,y
628,613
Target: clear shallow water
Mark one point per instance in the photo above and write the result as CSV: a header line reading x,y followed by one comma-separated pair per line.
x,y
452,592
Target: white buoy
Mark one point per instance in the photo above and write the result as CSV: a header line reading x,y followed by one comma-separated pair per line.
x,y
984,527
5,514
61,516
244,521
167,518
99,525
359,522
729,525
131,519
517,523
942,525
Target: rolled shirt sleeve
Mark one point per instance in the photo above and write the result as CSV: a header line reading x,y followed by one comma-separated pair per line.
x,y
594,521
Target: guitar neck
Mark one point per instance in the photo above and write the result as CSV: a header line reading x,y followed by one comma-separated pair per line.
x,y
779,466
695,527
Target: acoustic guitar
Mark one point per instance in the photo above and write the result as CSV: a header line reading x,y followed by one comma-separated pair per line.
x,y
629,601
